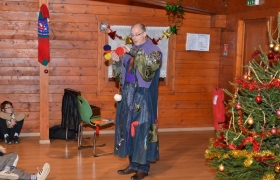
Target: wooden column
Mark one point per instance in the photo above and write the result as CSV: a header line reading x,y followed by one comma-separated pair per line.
x,y
239,49
44,98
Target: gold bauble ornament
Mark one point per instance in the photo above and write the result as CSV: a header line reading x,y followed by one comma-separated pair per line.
x,y
271,45
235,96
250,78
221,167
250,121
277,168
248,162
276,48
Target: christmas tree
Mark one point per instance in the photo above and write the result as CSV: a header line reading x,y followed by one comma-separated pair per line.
x,y
249,148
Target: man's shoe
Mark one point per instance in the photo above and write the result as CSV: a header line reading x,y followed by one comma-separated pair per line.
x,y
126,171
43,173
16,140
139,175
8,140
8,175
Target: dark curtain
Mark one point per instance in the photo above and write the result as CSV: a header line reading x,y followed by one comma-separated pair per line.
x,y
70,114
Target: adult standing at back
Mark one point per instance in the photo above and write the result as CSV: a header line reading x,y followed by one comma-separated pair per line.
x,y
136,117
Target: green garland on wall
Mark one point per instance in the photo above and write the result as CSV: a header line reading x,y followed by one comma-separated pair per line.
x,y
175,16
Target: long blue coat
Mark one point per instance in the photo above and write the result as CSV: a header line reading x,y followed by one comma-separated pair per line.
x,y
136,117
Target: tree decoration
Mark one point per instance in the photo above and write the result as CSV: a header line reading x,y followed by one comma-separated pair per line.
x,y
238,106
271,45
221,167
273,130
249,146
256,53
245,76
278,112
270,55
276,57
277,168
258,98
250,120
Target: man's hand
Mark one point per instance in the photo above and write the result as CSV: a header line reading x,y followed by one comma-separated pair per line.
x,y
115,56
125,47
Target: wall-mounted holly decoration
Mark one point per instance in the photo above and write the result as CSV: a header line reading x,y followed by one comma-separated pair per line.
x,y
175,16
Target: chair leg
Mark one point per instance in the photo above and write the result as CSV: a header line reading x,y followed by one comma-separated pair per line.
x,y
66,138
98,145
66,135
80,137
80,129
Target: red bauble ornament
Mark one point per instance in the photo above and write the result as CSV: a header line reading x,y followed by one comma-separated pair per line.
x,y
46,71
276,57
278,112
273,131
270,55
238,106
258,98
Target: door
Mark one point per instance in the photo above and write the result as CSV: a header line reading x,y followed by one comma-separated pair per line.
x,y
255,37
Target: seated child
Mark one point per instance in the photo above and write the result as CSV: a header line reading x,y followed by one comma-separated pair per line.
x,y
10,123
8,163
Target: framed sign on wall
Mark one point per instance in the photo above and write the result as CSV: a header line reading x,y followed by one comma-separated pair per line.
x,y
197,42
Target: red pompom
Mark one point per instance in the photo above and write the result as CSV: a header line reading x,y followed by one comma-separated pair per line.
x,y
119,51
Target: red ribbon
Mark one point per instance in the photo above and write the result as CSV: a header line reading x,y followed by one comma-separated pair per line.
x,y
262,159
221,143
245,141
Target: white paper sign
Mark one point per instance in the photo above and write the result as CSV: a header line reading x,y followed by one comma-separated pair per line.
x,y
198,42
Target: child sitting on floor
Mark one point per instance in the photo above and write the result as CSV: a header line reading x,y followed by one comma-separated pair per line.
x,y
11,123
8,163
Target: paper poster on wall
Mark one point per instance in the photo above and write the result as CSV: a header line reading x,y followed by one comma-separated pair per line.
x,y
198,42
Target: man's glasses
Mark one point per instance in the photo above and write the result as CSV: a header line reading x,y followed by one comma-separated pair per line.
x,y
131,35
10,107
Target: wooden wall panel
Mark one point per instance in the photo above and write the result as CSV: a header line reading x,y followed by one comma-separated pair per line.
x,y
75,54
